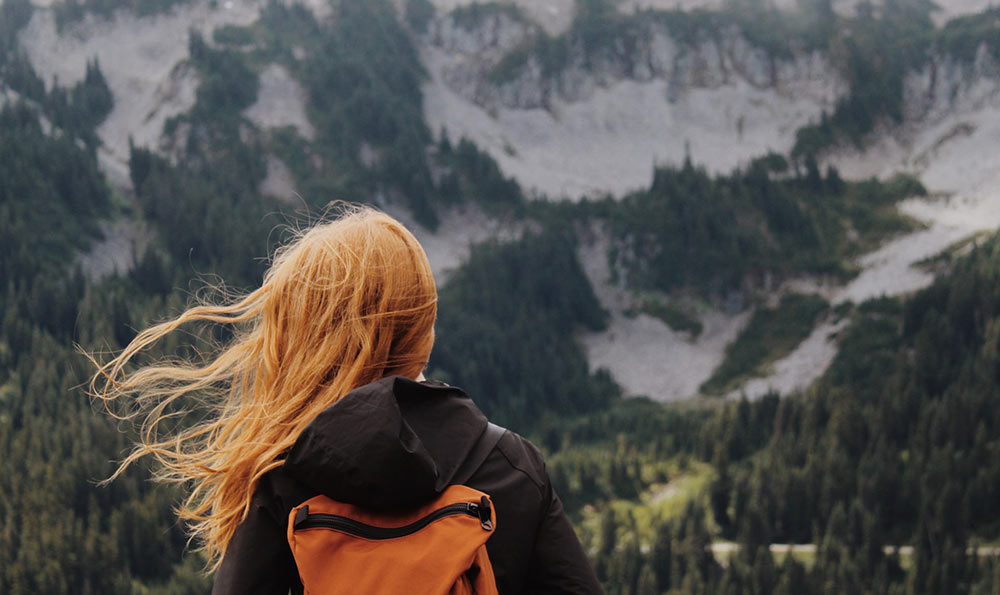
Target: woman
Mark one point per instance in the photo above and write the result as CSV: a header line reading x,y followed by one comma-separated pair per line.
x,y
345,316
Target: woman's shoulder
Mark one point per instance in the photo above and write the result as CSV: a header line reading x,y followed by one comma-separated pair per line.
x,y
277,493
523,456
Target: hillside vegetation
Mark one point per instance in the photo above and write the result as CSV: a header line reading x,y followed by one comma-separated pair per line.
x,y
690,230
896,445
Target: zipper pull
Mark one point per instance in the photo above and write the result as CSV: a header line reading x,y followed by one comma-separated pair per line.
x,y
484,514
300,516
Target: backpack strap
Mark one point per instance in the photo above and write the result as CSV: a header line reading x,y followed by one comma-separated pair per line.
x,y
477,456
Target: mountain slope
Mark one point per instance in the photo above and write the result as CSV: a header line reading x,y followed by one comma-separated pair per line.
x,y
595,128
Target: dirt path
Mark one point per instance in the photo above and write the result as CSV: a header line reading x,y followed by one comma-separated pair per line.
x,y
725,549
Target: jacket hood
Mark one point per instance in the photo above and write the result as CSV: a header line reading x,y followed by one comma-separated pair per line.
x,y
392,444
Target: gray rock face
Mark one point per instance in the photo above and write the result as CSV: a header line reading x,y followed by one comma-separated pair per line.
x,y
482,70
947,84
490,38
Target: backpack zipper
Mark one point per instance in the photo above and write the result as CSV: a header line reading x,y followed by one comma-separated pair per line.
x,y
304,520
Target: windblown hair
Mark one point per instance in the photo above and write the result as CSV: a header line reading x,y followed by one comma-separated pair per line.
x,y
346,303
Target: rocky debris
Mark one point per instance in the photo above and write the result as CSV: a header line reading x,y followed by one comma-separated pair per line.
x,y
610,142
281,101
279,181
125,241
643,354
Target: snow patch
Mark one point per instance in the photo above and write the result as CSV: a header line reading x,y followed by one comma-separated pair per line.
x,y
281,101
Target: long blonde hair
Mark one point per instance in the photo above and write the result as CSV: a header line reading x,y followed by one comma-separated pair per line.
x,y
346,303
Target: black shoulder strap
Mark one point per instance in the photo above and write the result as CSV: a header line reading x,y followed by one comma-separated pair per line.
x,y
477,456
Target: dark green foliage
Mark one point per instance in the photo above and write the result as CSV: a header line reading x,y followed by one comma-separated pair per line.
x,y
876,53
505,331
899,186
475,176
362,75
962,36
892,447
640,423
228,85
471,16
61,533
17,74
363,80
16,71
726,233
281,28
770,335
80,109
671,314
685,231
48,208
595,28
234,35
679,561
197,204
768,28
14,15
419,14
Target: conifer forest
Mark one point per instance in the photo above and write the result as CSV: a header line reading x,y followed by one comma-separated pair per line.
x,y
879,476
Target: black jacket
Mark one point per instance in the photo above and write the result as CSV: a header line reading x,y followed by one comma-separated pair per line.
x,y
394,444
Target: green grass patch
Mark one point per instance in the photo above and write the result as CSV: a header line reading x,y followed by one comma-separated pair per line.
x,y
689,481
771,334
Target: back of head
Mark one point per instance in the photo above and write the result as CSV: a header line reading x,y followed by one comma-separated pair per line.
x,y
345,303
350,301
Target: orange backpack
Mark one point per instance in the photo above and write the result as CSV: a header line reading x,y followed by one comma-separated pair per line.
x,y
438,549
